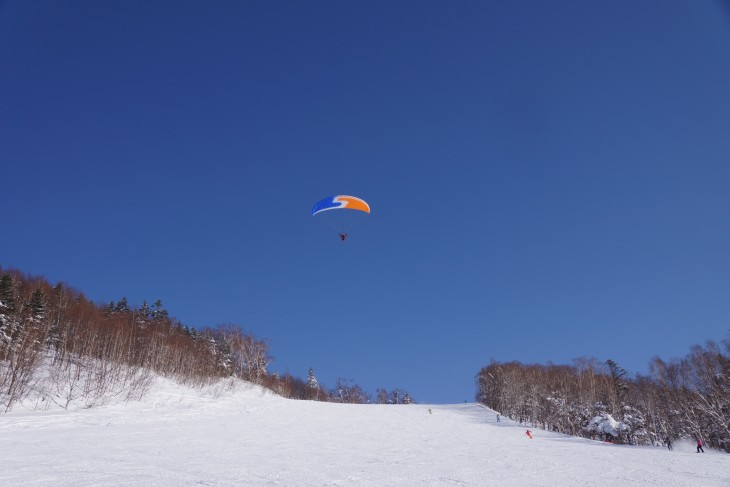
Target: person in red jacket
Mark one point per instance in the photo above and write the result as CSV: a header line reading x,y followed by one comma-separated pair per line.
x,y
699,446
529,434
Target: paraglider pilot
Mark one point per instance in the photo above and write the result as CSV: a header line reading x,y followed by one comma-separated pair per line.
x,y
343,236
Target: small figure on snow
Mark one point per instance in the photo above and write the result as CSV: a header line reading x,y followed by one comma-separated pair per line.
x,y
668,441
529,434
429,411
343,236
699,446
498,417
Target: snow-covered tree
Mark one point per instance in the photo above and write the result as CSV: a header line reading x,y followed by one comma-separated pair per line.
x,y
313,390
312,380
144,313
9,323
158,312
605,426
122,306
635,423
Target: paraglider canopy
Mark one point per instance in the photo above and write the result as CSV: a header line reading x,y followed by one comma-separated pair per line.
x,y
341,202
340,220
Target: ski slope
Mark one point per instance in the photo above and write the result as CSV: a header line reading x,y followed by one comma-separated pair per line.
x,y
241,435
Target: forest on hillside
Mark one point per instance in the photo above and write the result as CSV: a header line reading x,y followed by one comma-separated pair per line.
x,y
59,347
686,398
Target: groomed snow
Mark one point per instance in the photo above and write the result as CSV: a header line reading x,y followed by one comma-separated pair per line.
x,y
246,436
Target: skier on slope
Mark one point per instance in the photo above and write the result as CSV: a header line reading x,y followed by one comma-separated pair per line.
x,y
529,434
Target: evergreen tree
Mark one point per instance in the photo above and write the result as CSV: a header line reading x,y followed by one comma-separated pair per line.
x,y
144,312
635,423
55,307
158,313
38,305
122,306
7,294
620,387
222,351
406,398
8,323
311,387
312,380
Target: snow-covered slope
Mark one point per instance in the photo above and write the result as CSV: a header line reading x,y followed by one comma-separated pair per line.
x,y
245,436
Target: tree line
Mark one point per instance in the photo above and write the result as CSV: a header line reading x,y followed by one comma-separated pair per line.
x,y
57,346
682,398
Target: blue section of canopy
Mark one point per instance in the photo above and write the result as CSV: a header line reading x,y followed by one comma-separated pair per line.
x,y
325,204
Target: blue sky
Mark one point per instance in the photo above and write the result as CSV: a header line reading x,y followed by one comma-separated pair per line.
x,y
547,180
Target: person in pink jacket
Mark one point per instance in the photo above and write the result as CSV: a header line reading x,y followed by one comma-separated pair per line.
x,y
699,446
